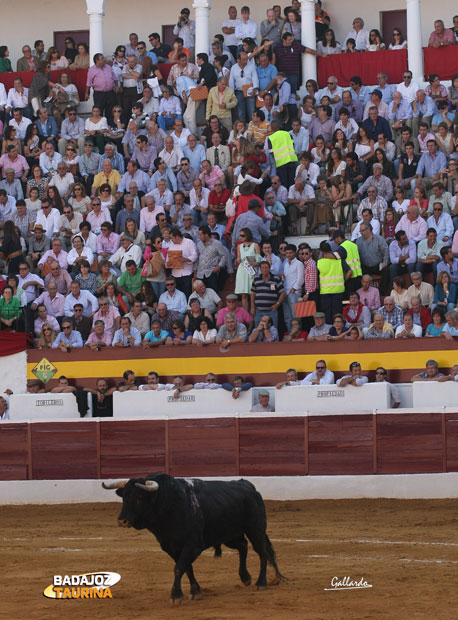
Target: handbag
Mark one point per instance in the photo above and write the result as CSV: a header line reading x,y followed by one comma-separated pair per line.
x,y
230,207
304,308
199,93
246,88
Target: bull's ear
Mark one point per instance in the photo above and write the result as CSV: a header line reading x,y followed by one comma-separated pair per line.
x,y
120,492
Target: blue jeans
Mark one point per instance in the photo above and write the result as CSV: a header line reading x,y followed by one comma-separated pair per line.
x,y
245,106
293,79
288,308
158,288
165,121
200,219
260,313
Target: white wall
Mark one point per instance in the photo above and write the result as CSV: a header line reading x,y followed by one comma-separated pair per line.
x,y
13,372
328,399
47,16
412,486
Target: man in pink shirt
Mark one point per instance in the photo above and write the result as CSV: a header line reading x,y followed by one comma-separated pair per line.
x,y
102,79
412,224
18,163
441,37
56,253
232,306
108,241
109,315
148,214
369,295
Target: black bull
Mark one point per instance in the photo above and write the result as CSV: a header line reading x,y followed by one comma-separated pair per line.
x,y
188,516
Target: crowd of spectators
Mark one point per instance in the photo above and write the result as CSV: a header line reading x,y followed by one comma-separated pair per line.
x,y
128,228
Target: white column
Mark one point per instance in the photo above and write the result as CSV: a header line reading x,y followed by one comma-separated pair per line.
x,y
415,52
201,8
309,69
95,10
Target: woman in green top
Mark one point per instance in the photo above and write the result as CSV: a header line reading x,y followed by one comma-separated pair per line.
x,y
5,62
10,309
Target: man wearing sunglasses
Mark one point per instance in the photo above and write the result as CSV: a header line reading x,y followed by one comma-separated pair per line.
x,y
381,377
320,376
71,134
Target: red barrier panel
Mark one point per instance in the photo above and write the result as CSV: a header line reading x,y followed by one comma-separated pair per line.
x,y
441,60
364,64
78,78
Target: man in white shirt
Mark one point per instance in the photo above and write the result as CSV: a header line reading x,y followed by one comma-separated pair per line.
x,y
246,28
358,33
7,206
172,298
186,253
49,160
243,74
408,329
63,181
77,296
407,88
126,251
20,123
48,217
186,30
368,218
321,375
355,378
228,29
293,271
18,97
29,282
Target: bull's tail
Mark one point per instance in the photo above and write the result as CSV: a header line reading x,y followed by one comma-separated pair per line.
x,y
271,558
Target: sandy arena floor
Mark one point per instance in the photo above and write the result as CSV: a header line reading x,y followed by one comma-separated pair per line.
x,y
407,550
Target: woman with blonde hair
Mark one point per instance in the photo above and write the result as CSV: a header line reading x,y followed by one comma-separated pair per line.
x,y
47,337
137,236
55,60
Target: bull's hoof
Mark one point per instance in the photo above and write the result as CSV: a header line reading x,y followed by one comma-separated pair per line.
x,y
195,596
275,581
261,588
247,582
176,600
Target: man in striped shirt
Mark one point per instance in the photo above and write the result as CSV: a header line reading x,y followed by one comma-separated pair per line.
x,y
267,294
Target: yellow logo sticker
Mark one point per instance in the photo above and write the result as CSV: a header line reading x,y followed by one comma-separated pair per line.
x,y
44,370
87,585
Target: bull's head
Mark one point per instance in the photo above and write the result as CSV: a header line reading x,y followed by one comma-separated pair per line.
x,y
135,508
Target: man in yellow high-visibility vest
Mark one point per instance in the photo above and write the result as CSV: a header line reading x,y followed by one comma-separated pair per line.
x,y
281,147
334,272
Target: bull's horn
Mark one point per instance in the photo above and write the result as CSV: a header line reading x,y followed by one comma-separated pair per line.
x,y
115,484
149,486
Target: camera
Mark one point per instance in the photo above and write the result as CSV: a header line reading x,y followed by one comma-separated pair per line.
x,y
141,120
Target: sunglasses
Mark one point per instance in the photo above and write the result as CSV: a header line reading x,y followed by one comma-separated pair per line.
x,y
380,373
103,304
320,367
46,329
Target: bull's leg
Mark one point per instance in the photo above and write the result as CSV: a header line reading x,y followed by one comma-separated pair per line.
x,y
242,547
194,592
184,561
257,539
